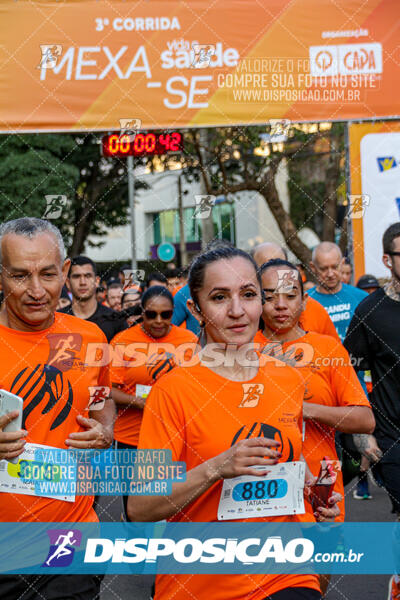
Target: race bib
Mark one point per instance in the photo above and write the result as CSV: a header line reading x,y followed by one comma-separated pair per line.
x,y
142,390
13,477
280,492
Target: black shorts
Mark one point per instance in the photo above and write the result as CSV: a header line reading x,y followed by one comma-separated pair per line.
x,y
50,587
297,593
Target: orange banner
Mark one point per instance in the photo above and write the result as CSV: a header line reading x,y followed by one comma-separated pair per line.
x,y
87,64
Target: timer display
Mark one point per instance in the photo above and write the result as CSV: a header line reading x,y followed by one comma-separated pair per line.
x,y
141,144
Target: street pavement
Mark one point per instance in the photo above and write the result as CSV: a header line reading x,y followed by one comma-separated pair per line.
x,y
342,587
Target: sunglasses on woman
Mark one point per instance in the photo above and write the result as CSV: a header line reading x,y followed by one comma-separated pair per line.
x,y
152,314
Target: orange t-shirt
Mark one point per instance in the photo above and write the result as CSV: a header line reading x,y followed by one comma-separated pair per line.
x,y
198,415
331,381
316,318
47,370
161,357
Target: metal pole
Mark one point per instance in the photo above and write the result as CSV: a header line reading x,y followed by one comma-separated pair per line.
x,y
131,192
182,241
350,250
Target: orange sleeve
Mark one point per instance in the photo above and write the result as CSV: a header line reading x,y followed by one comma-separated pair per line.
x,y
104,371
163,423
116,373
345,383
327,326
316,318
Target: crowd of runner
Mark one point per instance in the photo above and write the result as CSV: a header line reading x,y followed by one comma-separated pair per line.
x,y
251,360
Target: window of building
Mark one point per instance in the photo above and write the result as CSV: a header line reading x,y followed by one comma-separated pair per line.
x,y
166,224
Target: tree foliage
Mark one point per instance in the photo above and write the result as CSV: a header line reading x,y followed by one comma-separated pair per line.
x,y
228,161
33,166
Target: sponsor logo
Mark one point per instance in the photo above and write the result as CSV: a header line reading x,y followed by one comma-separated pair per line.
x,y
385,163
62,547
346,59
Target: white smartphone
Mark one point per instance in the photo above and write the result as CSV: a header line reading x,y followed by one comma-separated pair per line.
x,y
8,403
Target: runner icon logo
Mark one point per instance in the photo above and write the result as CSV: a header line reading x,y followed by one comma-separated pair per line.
x,y
98,396
61,552
54,206
251,394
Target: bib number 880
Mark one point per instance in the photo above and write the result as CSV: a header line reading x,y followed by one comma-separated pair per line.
x,y
260,490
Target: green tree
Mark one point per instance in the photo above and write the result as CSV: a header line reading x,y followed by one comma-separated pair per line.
x,y
227,161
33,166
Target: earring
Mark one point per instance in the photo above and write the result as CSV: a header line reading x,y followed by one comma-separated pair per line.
x,y
202,324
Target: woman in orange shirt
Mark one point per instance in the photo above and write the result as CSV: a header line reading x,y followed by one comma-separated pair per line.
x,y
223,417
334,398
142,354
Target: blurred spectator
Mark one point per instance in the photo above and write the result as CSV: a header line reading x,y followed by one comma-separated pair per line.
x,y
101,294
172,278
82,283
373,340
64,299
183,276
303,273
114,295
132,314
368,283
156,278
346,271
339,299
268,251
130,298
121,274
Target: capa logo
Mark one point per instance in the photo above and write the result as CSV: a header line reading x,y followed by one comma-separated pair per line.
x,y
360,58
346,59
192,550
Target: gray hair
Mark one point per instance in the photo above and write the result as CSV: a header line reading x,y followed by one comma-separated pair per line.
x,y
325,247
30,227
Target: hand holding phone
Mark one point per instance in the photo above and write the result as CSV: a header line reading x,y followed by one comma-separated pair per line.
x,y
12,440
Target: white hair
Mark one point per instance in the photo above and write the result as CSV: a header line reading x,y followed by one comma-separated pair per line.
x,y
30,227
325,247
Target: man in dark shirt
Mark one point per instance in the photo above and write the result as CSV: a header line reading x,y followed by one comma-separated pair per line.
x,y
373,339
82,284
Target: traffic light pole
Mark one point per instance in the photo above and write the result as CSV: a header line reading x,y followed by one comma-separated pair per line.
x,y
131,192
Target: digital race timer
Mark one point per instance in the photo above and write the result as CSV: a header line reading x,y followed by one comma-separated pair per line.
x,y
141,144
